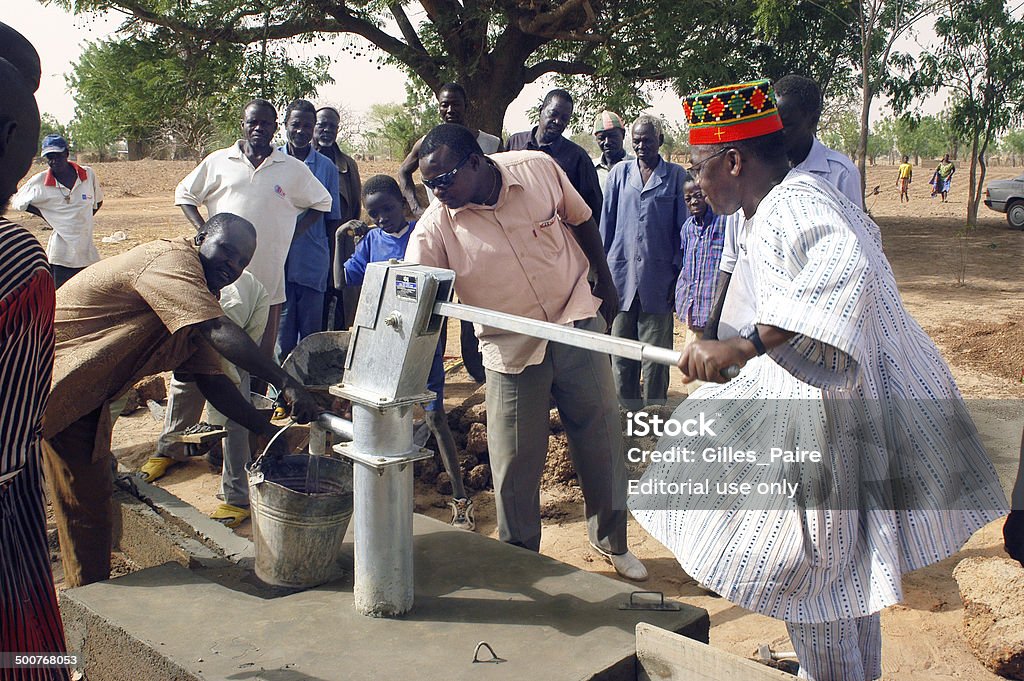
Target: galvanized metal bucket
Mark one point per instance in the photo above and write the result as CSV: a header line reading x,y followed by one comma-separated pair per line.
x,y
301,507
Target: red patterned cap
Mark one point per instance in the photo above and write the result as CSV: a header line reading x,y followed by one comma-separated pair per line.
x,y
732,112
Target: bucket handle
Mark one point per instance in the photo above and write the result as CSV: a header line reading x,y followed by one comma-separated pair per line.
x,y
256,467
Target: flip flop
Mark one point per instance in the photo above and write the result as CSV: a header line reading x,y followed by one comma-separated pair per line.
x,y
156,467
230,516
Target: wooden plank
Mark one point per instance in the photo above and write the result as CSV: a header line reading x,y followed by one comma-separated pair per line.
x,y
664,656
197,438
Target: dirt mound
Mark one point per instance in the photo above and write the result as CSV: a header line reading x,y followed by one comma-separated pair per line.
x,y
996,348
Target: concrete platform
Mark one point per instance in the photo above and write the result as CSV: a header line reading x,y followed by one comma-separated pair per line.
x,y
548,620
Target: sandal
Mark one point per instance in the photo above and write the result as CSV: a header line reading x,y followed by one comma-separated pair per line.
x,y
156,467
230,516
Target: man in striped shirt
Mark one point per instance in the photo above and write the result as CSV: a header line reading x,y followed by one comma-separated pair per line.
x,y
29,619
701,237
840,395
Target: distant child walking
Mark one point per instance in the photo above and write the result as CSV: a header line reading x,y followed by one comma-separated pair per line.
x,y
906,173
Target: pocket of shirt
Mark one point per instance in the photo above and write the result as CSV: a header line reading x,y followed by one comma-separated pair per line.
x,y
549,237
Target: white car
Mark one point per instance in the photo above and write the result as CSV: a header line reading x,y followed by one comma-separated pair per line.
x,y
1007,196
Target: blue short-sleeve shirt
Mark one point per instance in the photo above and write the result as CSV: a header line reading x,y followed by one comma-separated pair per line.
x,y
309,258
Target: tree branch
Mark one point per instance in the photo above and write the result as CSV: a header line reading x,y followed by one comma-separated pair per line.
x,y
446,15
568,68
408,31
561,22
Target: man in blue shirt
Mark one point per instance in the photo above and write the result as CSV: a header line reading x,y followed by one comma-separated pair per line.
x,y
309,258
640,218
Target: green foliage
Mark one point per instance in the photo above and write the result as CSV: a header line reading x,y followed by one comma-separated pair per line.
x,y
677,140
48,125
93,132
494,49
926,137
1013,144
394,128
879,144
688,46
842,133
166,90
980,60
586,140
811,38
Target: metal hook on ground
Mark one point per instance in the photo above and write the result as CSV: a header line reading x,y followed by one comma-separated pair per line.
x,y
494,656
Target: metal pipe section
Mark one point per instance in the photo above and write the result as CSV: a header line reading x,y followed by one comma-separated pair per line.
x,y
337,425
588,340
382,512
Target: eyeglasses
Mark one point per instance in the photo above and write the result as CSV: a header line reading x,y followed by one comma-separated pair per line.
x,y
446,179
695,169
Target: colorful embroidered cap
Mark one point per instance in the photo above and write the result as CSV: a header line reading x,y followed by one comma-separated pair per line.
x,y
606,120
732,112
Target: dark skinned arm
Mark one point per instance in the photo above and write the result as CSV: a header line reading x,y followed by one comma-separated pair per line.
x,y
224,396
357,227
338,257
192,215
306,221
721,288
330,227
35,211
234,345
704,360
589,239
405,183
97,208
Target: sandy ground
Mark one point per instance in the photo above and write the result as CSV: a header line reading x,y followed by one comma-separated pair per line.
x,y
978,326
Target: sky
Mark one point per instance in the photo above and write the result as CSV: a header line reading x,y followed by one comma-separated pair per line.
x,y
60,38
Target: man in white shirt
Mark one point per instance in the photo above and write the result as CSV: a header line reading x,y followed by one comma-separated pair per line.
x,y
66,196
800,109
265,186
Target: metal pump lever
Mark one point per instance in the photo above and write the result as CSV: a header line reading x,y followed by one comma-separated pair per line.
x,y
588,340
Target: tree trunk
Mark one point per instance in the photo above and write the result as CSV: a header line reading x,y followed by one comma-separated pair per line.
x,y
494,79
972,199
979,186
137,150
487,111
865,113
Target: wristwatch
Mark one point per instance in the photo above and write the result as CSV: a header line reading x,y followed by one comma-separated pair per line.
x,y
750,333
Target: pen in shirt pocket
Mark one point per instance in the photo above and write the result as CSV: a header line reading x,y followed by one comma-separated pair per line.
x,y
545,223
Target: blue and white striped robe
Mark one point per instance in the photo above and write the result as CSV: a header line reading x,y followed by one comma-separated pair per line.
x,y
907,477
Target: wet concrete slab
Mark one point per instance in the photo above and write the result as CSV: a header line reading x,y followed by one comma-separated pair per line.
x,y
547,621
